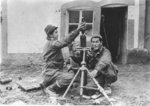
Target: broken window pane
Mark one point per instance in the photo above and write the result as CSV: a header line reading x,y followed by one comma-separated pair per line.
x,y
73,16
88,16
72,27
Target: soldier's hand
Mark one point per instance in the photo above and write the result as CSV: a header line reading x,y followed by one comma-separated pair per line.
x,y
69,66
82,26
94,73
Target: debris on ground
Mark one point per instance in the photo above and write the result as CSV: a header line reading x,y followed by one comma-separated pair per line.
x,y
5,80
131,89
9,88
28,86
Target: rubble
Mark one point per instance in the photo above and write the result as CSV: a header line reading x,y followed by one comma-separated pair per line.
x,y
124,91
5,80
28,86
9,88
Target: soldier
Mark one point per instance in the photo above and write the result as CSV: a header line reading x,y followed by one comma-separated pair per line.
x,y
54,61
99,62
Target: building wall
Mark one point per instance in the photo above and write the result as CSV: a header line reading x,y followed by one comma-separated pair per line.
x,y
23,27
24,22
134,34
147,25
140,53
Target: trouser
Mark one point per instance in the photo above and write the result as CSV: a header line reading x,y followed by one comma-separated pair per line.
x,y
104,78
62,79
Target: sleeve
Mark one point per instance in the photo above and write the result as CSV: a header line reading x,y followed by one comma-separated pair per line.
x,y
46,51
67,40
104,60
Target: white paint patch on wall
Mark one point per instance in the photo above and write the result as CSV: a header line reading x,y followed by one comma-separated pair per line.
x,y
136,27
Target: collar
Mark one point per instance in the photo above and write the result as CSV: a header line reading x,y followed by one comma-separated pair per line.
x,y
98,51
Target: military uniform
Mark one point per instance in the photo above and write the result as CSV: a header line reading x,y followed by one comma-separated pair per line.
x,y
100,61
54,61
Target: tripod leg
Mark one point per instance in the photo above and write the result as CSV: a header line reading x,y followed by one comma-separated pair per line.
x,y
71,83
100,88
81,84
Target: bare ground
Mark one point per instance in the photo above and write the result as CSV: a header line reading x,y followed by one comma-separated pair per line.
x,y
131,89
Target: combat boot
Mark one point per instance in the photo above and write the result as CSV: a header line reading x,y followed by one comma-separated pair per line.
x,y
53,89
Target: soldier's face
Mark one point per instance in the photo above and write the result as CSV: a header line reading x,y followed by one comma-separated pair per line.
x,y
55,34
96,44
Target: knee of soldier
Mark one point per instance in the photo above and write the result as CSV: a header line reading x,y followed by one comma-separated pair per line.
x,y
67,76
70,76
112,77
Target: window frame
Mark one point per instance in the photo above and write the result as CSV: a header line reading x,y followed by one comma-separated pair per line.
x,y
80,17
80,5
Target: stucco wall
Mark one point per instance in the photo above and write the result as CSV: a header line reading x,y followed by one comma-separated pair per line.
x,y
26,22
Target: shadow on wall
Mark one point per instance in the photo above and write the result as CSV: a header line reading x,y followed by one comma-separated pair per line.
x,y
138,56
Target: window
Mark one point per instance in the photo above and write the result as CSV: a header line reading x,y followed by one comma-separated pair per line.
x,y
76,16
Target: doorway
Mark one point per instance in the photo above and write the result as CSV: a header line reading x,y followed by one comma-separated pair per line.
x,y
113,30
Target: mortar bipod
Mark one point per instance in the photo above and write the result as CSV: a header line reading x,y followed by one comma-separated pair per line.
x,y
84,69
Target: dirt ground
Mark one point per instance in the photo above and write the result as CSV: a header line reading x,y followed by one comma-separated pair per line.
x,y
131,89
